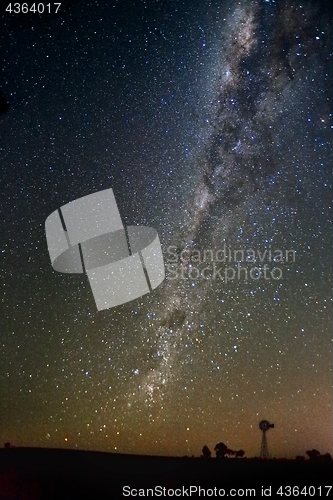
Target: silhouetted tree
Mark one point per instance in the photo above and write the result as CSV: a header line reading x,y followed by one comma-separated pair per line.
x,y
240,453
313,454
327,457
7,445
230,452
206,453
221,450
300,458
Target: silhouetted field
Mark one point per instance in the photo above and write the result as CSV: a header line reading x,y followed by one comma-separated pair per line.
x,y
36,473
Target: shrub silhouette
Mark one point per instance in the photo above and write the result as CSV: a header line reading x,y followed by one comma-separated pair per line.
x,y
221,450
313,454
230,452
206,453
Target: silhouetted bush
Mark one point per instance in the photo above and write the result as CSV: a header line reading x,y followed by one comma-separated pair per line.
x,y
221,450
206,453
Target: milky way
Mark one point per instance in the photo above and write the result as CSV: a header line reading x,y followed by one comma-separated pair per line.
x,y
214,127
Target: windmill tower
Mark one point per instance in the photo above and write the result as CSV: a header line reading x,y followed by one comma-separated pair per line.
x,y
264,426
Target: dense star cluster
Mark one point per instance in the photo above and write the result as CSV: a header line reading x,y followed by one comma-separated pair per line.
x,y
212,123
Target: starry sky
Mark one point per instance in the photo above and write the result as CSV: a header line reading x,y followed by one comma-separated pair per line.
x,y
211,121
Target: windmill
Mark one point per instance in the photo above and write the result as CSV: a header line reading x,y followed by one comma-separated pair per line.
x,y
264,426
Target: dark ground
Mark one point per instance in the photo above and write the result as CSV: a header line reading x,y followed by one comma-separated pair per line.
x,y
36,473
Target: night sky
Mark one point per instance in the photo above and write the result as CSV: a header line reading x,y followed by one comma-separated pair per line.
x,y
211,121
